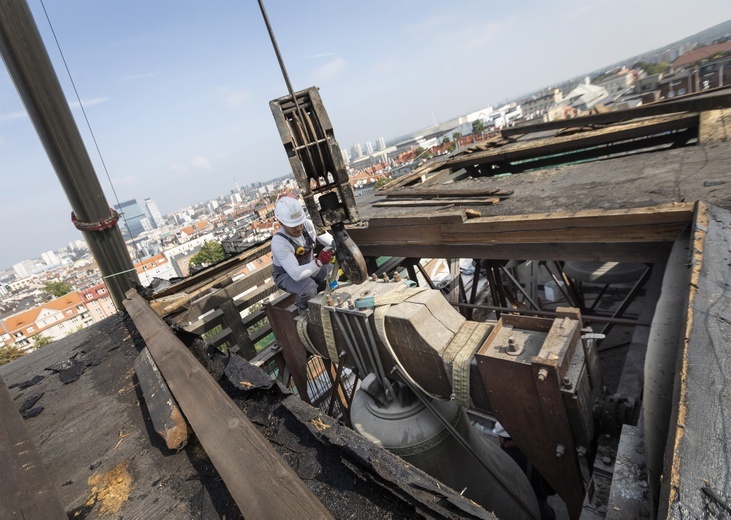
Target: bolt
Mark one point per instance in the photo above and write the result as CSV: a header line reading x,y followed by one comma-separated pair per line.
x,y
566,382
386,278
581,451
607,460
396,277
542,374
511,345
374,277
351,305
330,300
560,450
341,301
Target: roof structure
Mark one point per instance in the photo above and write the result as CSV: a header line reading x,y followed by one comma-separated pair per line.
x,y
701,53
65,305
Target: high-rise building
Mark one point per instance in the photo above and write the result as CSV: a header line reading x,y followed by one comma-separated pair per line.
x,y
381,144
50,258
346,155
131,221
154,213
24,269
369,147
357,151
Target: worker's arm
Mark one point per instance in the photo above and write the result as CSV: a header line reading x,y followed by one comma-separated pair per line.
x,y
283,253
326,239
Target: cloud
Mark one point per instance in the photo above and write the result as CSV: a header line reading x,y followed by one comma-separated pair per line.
x,y
234,98
201,163
88,102
195,164
13,115
329,70
322,55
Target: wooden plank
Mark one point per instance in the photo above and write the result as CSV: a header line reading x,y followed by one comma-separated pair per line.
x,y
488,201
281,320
583,251
221,271
239,333
250,281
552,230
164,412
201,325
564,144
412,218
691,104
260,482
25,489
262,292
715,126
443,192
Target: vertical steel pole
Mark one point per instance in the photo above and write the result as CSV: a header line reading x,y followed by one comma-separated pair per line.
x,y
29,65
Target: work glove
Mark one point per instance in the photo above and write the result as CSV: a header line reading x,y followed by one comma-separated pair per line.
x,y
325,257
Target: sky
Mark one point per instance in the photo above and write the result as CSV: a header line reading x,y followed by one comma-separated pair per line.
x,y
177,91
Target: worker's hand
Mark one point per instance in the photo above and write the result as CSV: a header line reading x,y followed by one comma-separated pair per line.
x,y
325,257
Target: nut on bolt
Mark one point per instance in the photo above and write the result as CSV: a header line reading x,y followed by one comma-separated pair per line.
x,y
560,450
542,374
511,344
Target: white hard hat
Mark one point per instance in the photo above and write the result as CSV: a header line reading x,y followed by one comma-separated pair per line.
x,y
290,212
500,431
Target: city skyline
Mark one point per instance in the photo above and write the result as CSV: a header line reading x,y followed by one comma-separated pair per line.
x,y
177,93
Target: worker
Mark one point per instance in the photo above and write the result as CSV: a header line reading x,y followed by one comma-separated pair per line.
x,y
296,268
539,484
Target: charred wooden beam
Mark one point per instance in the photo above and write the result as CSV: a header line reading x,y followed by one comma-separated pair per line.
x,y
164,412
259,480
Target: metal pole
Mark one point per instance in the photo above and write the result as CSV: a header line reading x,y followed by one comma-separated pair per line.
x,y
27,61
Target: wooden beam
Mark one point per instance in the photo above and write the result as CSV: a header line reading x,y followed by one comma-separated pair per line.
x,y
165,414
260,482
564,144
715,126
715,100
584,251
640,234
199,304
220,271
487,201
25,489
281,320
441,193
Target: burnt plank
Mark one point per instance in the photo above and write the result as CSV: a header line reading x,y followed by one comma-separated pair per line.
x,y
25,489
260,482
164,412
